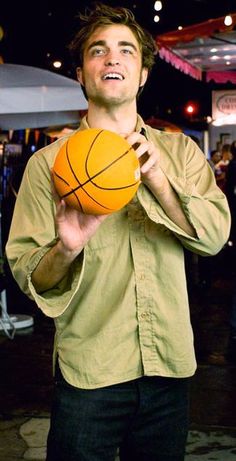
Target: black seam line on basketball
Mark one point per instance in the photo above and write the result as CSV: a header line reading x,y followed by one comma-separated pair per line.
x,y
101,171
62,179
68,159
72,191
106,167
79,202
76,197
115,188
99,187
71,168
92,198
86,169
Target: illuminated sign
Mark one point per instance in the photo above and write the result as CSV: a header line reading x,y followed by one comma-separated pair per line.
x,y
224,107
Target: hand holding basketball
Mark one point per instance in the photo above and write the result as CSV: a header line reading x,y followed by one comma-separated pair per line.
x,y
74,228
147,153
96,171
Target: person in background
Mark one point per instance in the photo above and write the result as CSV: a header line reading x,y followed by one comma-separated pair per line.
x,y
215,161
223,165
206,265
226,153
116,285
230,190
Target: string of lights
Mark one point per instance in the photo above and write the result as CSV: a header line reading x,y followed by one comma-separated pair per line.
x,y
157,7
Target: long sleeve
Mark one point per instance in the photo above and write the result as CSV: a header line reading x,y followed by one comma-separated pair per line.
x,y
202,200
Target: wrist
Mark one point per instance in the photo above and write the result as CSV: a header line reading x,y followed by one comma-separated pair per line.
x,y
157,182
65,253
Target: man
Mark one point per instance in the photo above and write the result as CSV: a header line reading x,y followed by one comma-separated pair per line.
x,y
218,166
116,284
215,159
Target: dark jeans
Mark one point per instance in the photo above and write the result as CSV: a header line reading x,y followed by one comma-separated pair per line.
x,y
147,419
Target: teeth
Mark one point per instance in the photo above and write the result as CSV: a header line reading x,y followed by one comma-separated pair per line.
x,y
113,75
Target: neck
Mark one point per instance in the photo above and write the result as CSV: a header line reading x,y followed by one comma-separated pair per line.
x,y
121,120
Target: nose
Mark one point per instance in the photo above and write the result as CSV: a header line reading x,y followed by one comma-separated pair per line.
x,y
112,59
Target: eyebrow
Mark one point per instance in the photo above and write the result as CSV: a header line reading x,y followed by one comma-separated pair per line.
x,y
103,43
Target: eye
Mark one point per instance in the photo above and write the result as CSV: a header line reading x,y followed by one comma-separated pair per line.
x,y
127,51
97,51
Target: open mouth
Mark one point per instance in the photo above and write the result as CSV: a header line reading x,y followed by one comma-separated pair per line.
x,y
112,76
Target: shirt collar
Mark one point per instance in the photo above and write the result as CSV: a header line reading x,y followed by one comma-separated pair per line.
x,y
140,125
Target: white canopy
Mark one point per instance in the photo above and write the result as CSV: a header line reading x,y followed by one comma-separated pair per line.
x,y
31,98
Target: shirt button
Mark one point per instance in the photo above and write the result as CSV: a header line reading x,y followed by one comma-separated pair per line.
x,y
142,277
144,315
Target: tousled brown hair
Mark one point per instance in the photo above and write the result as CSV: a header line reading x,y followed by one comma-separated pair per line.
x,y
104,15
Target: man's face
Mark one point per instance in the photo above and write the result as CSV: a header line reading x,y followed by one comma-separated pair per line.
x,y
112,69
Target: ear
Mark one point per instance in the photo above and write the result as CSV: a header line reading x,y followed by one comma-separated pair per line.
x,y
80,78
144,76
79,74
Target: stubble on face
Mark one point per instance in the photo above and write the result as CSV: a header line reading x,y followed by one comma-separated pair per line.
x,y
113,97
113,56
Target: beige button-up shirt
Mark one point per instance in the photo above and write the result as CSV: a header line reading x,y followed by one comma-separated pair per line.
x,y
123,312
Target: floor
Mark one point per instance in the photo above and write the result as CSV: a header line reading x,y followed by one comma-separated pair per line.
x,y
26,370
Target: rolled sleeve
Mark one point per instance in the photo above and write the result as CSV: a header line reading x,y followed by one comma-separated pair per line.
x,y
33,233
55,301
204,204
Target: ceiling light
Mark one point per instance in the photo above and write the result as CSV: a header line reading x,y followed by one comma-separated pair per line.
x,y
228,20
57,64
158,6
156,18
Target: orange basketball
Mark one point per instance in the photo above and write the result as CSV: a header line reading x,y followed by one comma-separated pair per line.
x,y
96,171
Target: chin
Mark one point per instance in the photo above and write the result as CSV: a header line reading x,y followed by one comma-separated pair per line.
x,y
109,100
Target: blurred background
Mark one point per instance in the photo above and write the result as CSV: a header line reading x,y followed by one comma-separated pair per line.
x,y
38,35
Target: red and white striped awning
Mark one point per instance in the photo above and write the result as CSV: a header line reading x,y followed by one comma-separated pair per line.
x,y
204,51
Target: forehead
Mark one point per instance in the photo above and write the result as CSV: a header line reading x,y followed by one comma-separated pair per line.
x,y
113,34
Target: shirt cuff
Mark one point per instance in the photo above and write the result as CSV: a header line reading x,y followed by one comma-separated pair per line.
x,y
155,212
55,301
